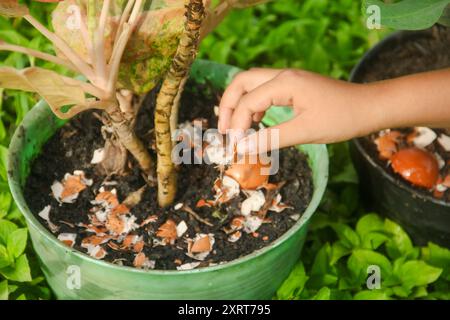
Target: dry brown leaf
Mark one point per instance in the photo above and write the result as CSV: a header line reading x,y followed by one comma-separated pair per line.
x,y
139,260
134,198
115,157
58,91
12,8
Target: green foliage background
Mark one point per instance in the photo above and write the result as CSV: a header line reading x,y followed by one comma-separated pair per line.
x,y
325,36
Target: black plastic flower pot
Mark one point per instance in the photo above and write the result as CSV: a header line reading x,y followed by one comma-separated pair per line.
x,y
424,217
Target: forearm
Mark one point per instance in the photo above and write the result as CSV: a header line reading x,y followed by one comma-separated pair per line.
x,y
417,100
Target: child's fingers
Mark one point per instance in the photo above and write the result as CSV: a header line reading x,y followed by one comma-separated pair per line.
x,y
277,91
286,134
242,83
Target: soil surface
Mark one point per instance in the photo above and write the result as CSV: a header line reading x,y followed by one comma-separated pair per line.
x,y
72,148
424,51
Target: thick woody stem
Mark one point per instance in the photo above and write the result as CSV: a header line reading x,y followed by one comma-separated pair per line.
x,y
179,69
176,108
124,130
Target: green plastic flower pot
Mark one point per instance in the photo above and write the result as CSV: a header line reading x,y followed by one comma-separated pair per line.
x,y
255,276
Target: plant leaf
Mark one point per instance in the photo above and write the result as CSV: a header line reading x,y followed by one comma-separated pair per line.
x,y
20,272
371,295
322,294
409,14
417,273
6,228
17,241
400,244
294,284
4,292
5,258
12,8
58,91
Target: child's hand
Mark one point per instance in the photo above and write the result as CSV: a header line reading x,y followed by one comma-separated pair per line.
x,y
328,110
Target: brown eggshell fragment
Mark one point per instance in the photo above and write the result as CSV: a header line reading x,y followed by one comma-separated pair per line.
x,y
248,172
387,144
168,231
417,166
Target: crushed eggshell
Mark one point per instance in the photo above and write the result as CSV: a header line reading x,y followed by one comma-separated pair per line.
x,y
228,189
98,156
181,228
235,236
178,206
277,205
167,231
252,223
45,214
149,219
188,266
387,143
96,252
200,247
141,261
444,141
237,223
68,190
423,137
253,203
67,238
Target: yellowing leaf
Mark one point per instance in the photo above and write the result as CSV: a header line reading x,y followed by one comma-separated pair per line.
x,y
10,78
58,91
12,8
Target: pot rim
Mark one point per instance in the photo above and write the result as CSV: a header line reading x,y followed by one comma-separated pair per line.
x,y
16,145
375,50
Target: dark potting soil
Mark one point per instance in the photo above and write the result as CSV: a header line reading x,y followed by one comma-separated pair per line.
x,y
424,51
72,147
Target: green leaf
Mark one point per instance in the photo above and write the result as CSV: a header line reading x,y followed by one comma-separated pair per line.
x,y
17,241
20,272
371,295
409,14
374,239
368,223
293,286
3,162
5,258
5,203
400,244
417,273
338,250
322,294
4,293
6,228
346,234
361,259
438,257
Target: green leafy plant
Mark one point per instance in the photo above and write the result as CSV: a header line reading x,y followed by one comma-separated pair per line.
x,y
410,14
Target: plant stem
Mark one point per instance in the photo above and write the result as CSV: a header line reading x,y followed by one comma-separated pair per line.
x,y
176,108
172,83
129,140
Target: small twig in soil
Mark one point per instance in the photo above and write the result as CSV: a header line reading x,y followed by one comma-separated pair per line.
x,y
196,216
269,198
